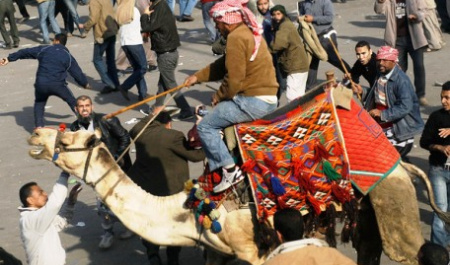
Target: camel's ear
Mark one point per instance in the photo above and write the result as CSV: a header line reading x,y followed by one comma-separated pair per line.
x,y
98,133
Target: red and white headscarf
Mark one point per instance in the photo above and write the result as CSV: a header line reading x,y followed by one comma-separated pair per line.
x,y
387,53
236,11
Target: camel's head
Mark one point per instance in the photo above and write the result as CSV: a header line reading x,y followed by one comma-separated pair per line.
x,y
68,150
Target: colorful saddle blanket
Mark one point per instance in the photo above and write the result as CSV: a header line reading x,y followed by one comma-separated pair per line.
x,y
308,154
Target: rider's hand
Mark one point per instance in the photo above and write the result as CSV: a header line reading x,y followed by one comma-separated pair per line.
x,y
214,101
190,81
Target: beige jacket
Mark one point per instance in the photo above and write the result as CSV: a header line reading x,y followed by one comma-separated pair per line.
x,y
311,40
101,17
416,7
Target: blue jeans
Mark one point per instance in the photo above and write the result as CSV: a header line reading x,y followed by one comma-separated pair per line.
x,y
405,47
108,72
47,10
43,92
207,20
136,56
73,15
440,181
171,4
167,62
227,113
186,7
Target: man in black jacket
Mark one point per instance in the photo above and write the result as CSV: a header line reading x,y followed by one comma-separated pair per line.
x,y
116,138
159,22
435,138
55,61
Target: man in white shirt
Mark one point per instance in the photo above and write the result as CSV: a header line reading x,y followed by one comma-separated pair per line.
x,y
131,41
40,221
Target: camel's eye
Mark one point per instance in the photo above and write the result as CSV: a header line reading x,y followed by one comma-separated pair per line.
x,y
91,141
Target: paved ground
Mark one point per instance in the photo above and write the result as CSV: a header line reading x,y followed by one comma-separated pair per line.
x,y
354,21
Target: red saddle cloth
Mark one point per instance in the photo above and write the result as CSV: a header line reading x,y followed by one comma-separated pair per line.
x,y
372,157
314,153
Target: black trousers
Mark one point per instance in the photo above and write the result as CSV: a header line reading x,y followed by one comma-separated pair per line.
x,y
153,254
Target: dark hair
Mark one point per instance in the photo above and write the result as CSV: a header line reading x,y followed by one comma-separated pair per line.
x,y
25,192
289,222
163,117
280,8
446,86
62,38
433,254
83,98
362,43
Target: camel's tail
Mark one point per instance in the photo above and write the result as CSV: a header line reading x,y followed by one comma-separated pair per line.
x,y
412,169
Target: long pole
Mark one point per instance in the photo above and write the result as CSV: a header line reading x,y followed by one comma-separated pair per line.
x,y
110,115
328,36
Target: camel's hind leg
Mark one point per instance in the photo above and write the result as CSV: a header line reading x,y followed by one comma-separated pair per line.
x,y
397,212
368,241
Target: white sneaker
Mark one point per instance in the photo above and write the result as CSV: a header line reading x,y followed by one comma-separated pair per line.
x,y
172,110
229,179
107,241
126,234
144,112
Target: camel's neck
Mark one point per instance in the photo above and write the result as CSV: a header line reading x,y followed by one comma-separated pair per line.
x,y
153,218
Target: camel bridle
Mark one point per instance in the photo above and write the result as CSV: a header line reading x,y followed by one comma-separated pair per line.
x,y
60,148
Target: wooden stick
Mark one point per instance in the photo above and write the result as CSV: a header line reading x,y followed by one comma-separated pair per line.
x,y
110,115
342,64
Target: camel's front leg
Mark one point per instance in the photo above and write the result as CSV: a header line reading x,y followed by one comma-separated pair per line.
x,y
397,212
367,241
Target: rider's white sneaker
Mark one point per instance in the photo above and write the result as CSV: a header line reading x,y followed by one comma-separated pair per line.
x,y
106,241
229,179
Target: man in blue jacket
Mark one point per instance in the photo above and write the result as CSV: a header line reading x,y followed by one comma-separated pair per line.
x,y
393,103
55,61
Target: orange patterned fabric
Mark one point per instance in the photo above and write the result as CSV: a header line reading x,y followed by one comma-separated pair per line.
x,y
316,152
294,149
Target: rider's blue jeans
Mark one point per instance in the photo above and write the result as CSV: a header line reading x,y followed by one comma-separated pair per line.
x,y
227,113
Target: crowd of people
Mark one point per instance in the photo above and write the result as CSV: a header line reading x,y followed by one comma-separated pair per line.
x,y
264,54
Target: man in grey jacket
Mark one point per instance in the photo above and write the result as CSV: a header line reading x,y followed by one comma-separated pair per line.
x,y
40,221
393,104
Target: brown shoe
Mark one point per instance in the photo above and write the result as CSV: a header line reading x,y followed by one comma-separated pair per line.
x,y
186,18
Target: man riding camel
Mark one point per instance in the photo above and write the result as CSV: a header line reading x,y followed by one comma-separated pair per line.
x,y
248,90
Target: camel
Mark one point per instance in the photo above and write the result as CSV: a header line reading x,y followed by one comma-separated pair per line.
x,y
164,221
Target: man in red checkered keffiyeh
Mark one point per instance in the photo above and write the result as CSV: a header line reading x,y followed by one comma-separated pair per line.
x,y
234,12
